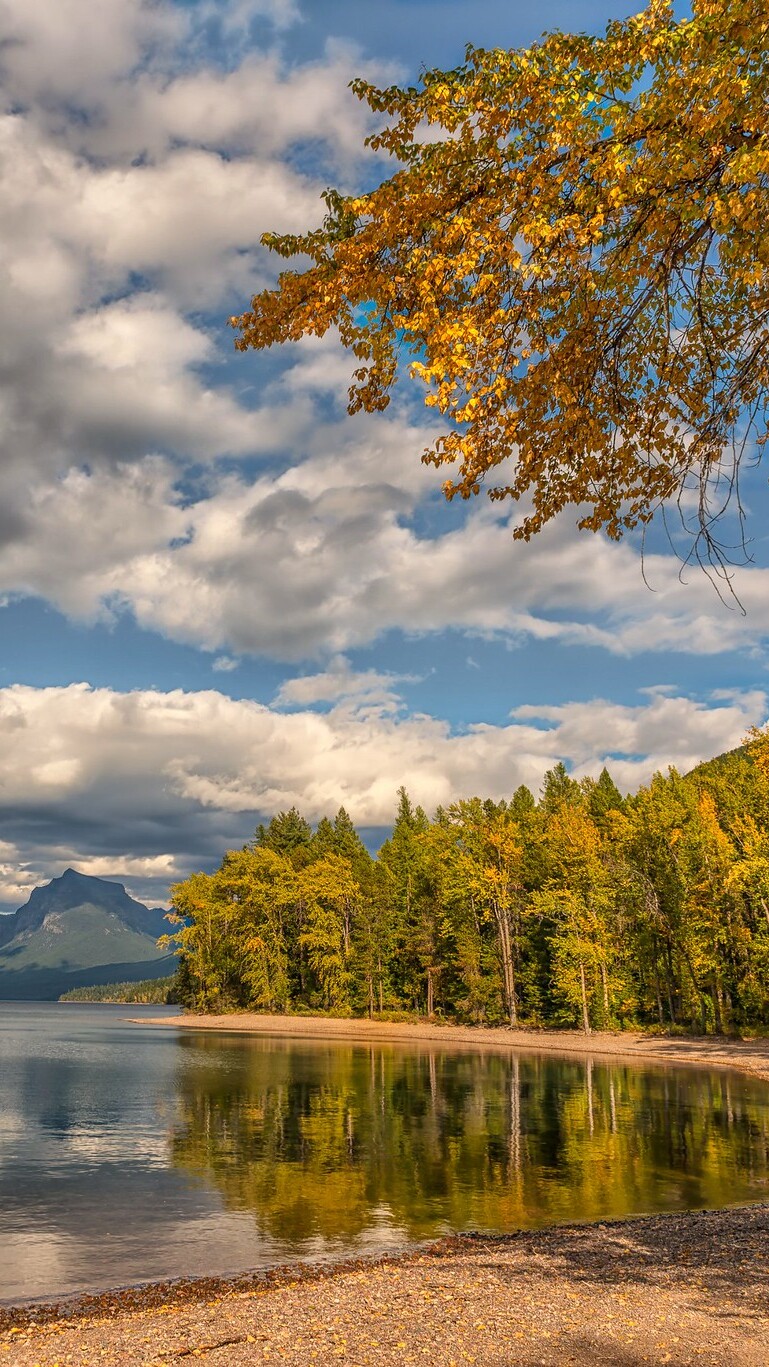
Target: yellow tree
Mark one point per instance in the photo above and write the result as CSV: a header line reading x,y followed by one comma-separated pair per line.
x,y
579,898
748,877
259,886
706,858
574,252
230,930
196,917
483,868
330,894
748,880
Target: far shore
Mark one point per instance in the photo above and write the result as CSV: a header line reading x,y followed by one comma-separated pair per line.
x,y
713,1051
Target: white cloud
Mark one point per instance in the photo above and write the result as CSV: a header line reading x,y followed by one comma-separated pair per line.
x,y
148,785
330,554
130,382
192,223
636,741
340,682
141,71
121,226
72,50
156,867
260,108
79,527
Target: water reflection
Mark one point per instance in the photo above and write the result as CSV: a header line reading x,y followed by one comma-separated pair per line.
x,y
130,1153
325,1141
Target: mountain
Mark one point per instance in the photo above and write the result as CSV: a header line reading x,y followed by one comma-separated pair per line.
x,y
78,931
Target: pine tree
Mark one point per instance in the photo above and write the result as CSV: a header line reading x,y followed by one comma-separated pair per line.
x,y
288,834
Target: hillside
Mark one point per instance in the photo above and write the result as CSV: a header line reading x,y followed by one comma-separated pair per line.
x,y
75,932
156,991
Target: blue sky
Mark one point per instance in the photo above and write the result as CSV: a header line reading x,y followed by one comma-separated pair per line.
x,y
221,595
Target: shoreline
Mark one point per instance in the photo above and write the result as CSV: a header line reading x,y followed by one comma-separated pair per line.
x,y
712,1051
674,1288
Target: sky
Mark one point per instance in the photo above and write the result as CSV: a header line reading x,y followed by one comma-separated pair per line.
x,y
222,596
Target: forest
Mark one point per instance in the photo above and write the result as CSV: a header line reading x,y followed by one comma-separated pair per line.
x,y
150,991
577,908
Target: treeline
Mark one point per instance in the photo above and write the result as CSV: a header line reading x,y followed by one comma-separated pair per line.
x,y
153,991
580,908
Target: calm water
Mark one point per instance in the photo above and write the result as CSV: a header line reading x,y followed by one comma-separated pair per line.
x,y
129,1153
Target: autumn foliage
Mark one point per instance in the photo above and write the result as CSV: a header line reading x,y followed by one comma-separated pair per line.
x,y
582,909
573,253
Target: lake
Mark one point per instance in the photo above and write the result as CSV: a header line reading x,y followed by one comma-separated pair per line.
x,y
129,1153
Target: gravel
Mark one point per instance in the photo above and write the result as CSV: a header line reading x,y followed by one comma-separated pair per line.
x,y
690,1288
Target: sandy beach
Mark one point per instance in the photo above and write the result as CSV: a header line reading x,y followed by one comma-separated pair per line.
x,y
750,1056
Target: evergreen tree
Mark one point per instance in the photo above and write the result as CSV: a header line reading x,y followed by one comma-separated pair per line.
x,y
288,834
559,788
405,857
603,797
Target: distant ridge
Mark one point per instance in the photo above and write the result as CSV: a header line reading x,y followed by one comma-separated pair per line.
x,y
79,931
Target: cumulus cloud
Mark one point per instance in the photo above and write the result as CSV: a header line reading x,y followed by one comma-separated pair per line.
x,y
260,105
330,554
340,682
72,51
138,178
139,172
637,741
191,223
145,75
147,786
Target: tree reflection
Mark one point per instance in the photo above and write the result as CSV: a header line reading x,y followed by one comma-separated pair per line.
x,y
328,1141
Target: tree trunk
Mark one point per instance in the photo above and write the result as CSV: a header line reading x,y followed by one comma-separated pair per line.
x,y
429,992
508,969
715,996
657,992
671,1007
672,990
583,986
698,991
605,986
